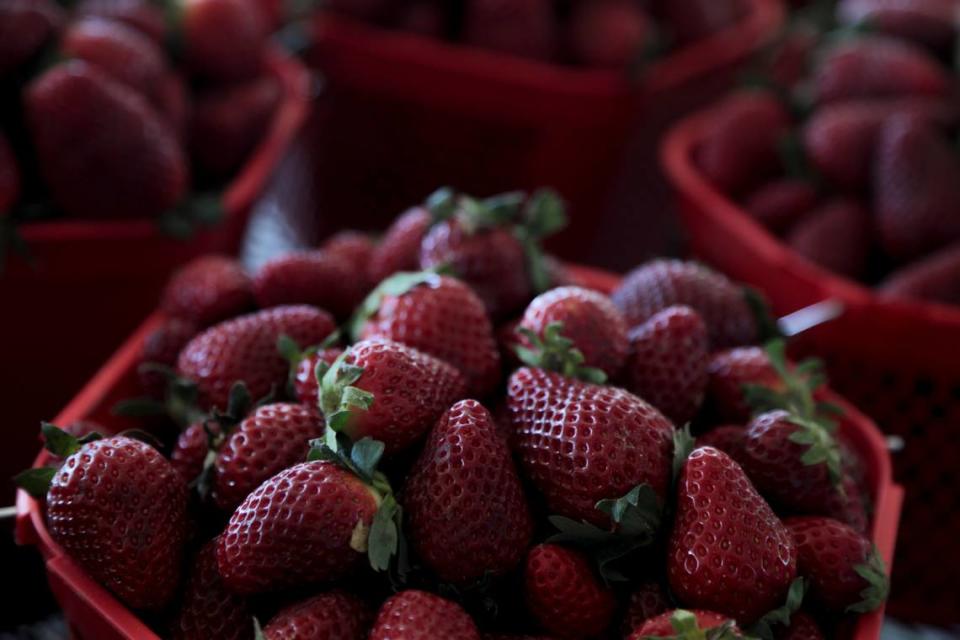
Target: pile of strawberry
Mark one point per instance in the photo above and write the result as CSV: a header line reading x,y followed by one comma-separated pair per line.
x,y
593,33
116,109
852,159
482,445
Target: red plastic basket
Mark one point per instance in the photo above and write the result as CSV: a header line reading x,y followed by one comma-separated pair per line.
x,y
94,281
405,113
94,613
899,362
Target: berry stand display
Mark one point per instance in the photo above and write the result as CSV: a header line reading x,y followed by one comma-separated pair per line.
x,y
93,612
405,113
897,361
93,281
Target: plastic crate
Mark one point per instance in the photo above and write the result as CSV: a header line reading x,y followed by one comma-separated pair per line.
x,y
93,613
405,113
95,281
898,361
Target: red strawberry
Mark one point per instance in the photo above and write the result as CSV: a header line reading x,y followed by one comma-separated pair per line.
x,y
848,506
835,236
802,627
245,349
648,600
728,371
334,615
586,317
162,346
779,204
229,122
878,67
305,525
927,22
465,507
663,283
728,551
120,51
208,290
437,315
305,383
190,451
935,278
171,100
357,249
525,28
118,508
269,440
693,20
685,624
844,569
558,420
727,438
668,365
564,595
25,26
208,609
309,277
418,615
410,390
103,150
224,40
142,15
741,150
9,176
609,33
840,139
916,188
399,249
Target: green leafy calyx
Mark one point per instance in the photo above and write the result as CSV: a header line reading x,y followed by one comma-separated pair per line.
x,y
874,572
686,627
36,481
555,352
339,399
772,622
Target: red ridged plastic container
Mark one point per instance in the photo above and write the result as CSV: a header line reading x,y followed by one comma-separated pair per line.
x,y
95,281
898,361
406,113
94,614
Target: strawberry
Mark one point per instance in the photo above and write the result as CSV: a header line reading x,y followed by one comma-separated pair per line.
x,y
668,363
727,438
794,462
25,27
437,315
849,506
840,139
693,20
387,391
142,15
741,150
118,508
208,290
229,122
682,624
244,349
399,249
103,150
78,430
877,67
802,627
779,204
355,247
587,318
190,450
728,551
845,571
208,609
525,28
9,176
926,22
935,278
273,540
334,615
120,51
308,277
609,33
161,347
663,283
269,440
557,420
647,600
836,236
418,615
563,594
466,511
916,188
729,371
172,102
305,385
223,40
